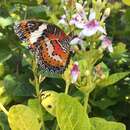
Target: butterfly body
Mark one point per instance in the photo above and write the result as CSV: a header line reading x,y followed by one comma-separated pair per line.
x,y
48,42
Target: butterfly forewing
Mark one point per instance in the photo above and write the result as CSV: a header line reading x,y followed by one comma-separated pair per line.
x,y
48,42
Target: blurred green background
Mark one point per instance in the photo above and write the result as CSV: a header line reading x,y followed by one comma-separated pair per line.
x,y
15,71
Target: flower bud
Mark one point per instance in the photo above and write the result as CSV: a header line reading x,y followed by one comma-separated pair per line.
x,y
106,14
75,72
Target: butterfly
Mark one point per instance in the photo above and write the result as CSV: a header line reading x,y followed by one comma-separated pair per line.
x,y
48,42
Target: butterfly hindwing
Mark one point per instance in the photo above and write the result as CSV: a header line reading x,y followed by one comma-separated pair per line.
x,y
49,43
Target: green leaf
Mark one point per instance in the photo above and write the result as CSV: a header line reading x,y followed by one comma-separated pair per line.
x,y
127,2
102,124
35,105
42,114
26,2
38,11
54,2
40,1
3,122
119,49
2,69
91,56
21,117
5,21
5,53
71,114
104,103
10,84
4,97
112,79
49,101
23,91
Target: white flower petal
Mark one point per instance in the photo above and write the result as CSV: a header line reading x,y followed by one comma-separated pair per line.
x,y
88,32
75,72
76,41
110,48
102,30
72,22
102,37
63,16
104,45
92,15
74,77
79,25
62,21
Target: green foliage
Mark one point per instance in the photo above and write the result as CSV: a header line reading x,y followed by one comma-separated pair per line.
x,y
4,97
101,124
34,104
112,79
67,110
101,91
2,69
69,113
119,50
5,22
127,2
21,117
50,99
4,122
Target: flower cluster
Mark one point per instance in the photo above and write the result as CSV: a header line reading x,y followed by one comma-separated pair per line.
x,y
88,25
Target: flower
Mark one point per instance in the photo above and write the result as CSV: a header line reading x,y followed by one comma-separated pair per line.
x,y
75,72
76,40
91,26
79,18
63,20
106,43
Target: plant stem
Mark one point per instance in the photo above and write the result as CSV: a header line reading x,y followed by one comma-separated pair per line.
x,y
37,85
90,85
3,109
36,77
86,101
67,88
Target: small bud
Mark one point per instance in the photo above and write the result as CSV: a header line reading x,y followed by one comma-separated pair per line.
x,y
87,72
75,72
106,14
79,7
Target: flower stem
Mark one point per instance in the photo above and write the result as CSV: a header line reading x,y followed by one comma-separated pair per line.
x,y
37,85
67,88
86,101
3,109
36,77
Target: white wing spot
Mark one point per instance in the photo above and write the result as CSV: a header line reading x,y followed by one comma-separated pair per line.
x,y
51,50
36,34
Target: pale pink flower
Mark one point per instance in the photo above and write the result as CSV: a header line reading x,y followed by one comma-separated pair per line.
x,y
92,26
106,43
75,72
63,20
79,18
